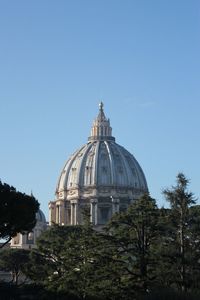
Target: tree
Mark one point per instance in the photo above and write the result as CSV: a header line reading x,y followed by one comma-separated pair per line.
x,y
14,261
179,243
66,260
17,212
135,234
193,253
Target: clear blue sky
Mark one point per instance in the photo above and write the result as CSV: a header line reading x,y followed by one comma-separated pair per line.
x,y
59,58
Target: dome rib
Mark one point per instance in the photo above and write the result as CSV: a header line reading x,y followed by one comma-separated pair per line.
x,y
137,170
82,168
62,179
70,172
113,179
126,168
96,161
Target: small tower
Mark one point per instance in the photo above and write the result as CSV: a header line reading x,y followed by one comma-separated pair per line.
x,y
101,128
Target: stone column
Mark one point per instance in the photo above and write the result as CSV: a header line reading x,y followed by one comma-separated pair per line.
x,y
60,214
68,212
74,212
96,214
57,214
115,205
52,217
93,211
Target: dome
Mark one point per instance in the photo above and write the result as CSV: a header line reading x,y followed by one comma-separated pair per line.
x,y
40,217
102,175
101,162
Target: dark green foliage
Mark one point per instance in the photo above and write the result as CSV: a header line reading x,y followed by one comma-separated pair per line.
x,y
17,212
66,259
143,253
135,234
169,294
32,292
179,245
14,261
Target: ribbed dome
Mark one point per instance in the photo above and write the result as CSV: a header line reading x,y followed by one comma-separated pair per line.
x,y
40,216
102,162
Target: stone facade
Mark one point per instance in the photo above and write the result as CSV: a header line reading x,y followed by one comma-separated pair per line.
x,y
101,175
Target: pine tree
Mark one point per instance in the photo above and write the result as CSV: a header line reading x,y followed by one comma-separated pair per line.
x,y
135,234
66,260
179,242
17,212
